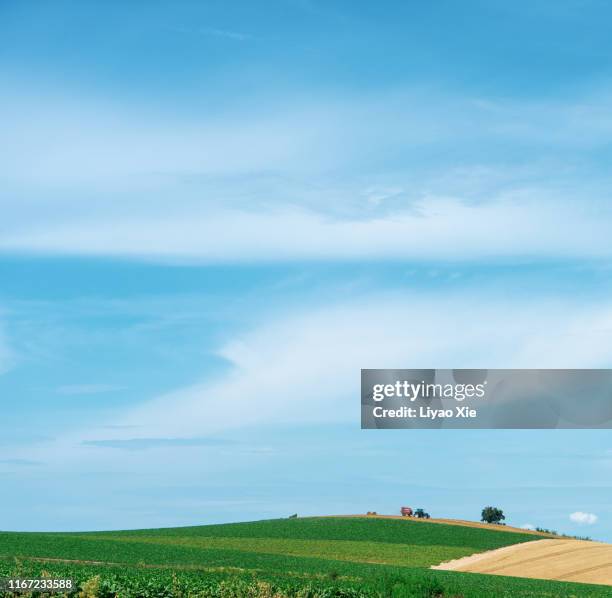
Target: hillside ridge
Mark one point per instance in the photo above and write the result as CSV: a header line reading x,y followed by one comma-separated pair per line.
x,y
457,522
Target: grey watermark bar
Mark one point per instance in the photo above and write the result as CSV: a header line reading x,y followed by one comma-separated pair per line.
x,y
486,399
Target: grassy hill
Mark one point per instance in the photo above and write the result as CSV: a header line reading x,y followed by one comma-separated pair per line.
x,y
288,557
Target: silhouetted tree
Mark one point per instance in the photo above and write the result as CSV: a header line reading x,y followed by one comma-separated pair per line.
x,y
492,515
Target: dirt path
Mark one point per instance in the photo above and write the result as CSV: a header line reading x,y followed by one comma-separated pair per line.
x,y
559,559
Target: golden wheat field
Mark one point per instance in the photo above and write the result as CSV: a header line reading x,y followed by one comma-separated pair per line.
x,y
558,559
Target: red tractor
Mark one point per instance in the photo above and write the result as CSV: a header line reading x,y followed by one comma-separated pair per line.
x,y
406,512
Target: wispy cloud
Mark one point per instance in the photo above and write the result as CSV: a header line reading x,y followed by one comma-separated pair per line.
x,y
141,444
24,437
88,389
7,354
227,34
300,369
433,229
298,180
118,427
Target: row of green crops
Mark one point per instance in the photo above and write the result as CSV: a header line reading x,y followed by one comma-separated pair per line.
x,y
347,528
277,544
299,558
99,581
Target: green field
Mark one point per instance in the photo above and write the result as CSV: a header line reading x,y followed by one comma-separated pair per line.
x,y
287,557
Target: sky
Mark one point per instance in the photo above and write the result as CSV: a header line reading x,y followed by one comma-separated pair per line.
x,y
214,214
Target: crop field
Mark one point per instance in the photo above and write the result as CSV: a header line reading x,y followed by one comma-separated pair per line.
x,y
301,558
569,560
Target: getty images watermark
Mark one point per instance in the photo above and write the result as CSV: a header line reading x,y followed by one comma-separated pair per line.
x,y
432,398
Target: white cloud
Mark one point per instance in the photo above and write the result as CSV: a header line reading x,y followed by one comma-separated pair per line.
x,y
528,526
65,142
435,228
72,138
304,367
297,178
583,518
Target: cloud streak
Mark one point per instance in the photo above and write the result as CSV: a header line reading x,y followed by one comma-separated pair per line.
x,y
312,179
7,355
434,229
304,368
20,462
227,34
141,444
88,389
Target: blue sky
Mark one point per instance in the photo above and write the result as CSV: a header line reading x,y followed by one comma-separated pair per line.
x,y
213,214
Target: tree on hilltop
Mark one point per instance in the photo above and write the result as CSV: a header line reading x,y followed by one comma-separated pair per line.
x,y
492,515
